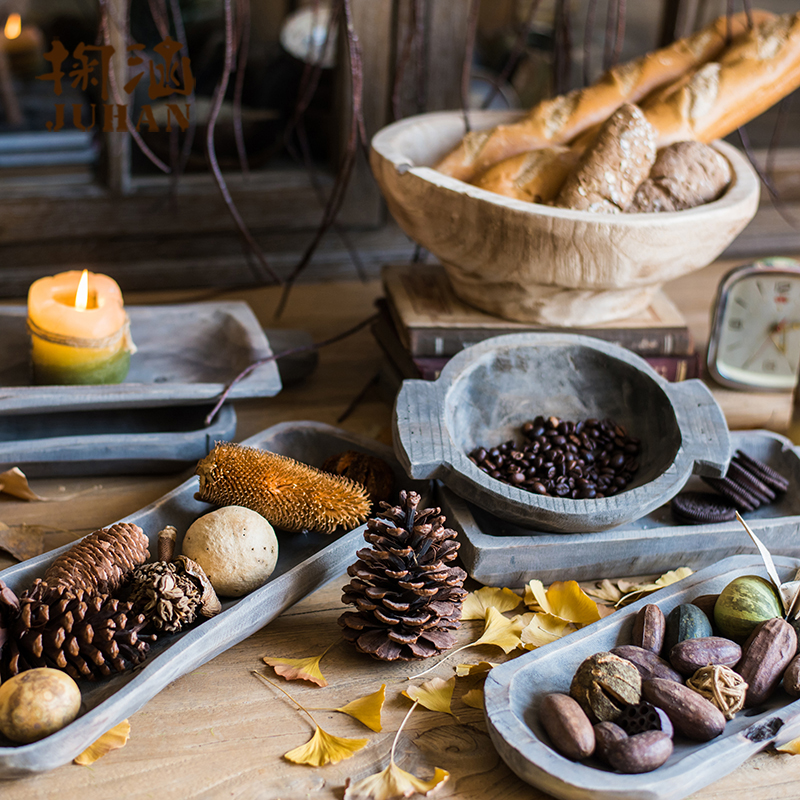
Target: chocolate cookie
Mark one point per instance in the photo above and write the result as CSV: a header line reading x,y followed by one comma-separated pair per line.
x,y
749,482
762,471
697,508
738,495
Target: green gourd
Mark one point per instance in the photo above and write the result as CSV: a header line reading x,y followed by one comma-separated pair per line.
x,y
685,621
744,603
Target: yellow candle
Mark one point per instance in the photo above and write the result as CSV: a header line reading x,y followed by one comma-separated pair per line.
x,y
79,330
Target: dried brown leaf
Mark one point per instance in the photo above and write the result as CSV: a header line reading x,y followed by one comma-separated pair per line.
x,y
14,482
26,541
298,669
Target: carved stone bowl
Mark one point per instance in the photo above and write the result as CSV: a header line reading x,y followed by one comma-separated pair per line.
x,y
488,391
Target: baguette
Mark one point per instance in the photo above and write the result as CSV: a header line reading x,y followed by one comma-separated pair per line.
x,y
751,75
561,119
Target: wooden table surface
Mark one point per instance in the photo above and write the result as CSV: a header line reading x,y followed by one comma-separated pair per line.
x,y
220,732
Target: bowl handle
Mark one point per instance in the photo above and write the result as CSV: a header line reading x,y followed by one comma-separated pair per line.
x,y
418,430
704,430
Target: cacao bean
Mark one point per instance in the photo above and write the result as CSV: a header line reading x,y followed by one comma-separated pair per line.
x,y
706,603
690,655
643,752
692,715
606,734
649,664
567,726
648,628
791,678
765,655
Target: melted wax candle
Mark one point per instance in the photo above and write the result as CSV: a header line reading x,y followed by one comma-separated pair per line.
x,y
80,333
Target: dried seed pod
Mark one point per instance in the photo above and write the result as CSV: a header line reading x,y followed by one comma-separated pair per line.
x,y
647,662
641,717
725,688
290,495
692,715
567,726
648,628
604,684
766,654
643,752
605,735
373,473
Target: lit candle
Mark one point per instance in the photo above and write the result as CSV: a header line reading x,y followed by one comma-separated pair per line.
x,y
24,45
79,330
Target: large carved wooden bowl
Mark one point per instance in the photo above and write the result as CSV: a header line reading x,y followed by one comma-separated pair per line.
x,y
534,263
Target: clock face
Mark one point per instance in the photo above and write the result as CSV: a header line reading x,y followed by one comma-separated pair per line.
x,y
757,329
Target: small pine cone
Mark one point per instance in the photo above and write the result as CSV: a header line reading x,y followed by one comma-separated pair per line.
x,y
101,561
407,598
88,636
287,493
373,473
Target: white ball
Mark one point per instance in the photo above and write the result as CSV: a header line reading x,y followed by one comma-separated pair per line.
x,y
235,546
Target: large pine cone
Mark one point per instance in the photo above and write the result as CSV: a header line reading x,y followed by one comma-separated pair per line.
x,y
407,598
87,636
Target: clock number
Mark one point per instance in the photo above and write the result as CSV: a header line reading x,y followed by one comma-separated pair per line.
x,y
768,365
735,324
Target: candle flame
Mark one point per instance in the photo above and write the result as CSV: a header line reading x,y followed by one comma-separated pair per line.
x,y
82,295
13,26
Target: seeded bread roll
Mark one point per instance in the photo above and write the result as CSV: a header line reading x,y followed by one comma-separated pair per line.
x,y
685,175
611,170
536,177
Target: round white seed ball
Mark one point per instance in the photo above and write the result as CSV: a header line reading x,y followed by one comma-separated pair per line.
x,y
235,546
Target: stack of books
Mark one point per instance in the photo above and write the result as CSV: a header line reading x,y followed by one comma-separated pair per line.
x,y
422,324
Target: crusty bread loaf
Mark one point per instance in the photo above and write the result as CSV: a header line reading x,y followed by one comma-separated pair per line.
x,y
611,170
685,175
751,75
562,118
536,176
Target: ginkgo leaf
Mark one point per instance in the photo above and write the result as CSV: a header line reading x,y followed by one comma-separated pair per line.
x,y
367,710
324,748
563,599
673,576
392,783
792,747
605,590
476,603
473,698
435,694
500,631
14,482
114,739
633,591
543,629
462,670
298,669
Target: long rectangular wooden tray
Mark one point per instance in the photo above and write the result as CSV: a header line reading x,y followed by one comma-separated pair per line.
x,y
498,553
186,354
306,562
514,691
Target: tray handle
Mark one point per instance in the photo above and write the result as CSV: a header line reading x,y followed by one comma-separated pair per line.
x,y
704,430
421,442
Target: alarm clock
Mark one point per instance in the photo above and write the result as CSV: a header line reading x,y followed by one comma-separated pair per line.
x,y
755,327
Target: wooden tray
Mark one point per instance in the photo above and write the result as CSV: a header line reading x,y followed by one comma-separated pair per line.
x,y
306,562
186,354
499,553
514,690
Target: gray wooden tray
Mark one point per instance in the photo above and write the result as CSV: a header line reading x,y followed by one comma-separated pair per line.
x,y
186,354
499,553
306,562
111,441
514,690
487,391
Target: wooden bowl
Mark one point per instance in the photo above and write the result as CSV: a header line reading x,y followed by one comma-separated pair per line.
x,y
489,390
535,263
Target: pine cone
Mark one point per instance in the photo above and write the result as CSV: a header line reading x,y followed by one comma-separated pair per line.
x,y
408,599
100,562
86,636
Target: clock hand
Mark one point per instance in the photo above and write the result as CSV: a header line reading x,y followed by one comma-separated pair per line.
x,y
757,352
778,337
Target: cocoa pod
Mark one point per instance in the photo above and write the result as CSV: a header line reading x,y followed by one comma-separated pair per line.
x,y
649,664
765,655
567,726
791,678
643,752
648,628
706,603
606,734
690,655
692,715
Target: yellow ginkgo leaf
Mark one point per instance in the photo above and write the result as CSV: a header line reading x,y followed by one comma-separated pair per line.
x,y
543,629
500,631
111,740
298,669
535,595
563,599
367,709
324,748
673,576
392,783
14,482
436,694
462,670
605,590
476,603
473,698
792,747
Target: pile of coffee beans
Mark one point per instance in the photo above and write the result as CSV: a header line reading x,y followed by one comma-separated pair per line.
x,y
588,459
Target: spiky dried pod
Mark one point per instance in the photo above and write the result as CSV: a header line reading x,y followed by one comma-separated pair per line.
x,y
88,636
290,495
101,561
406,596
